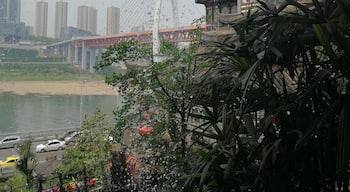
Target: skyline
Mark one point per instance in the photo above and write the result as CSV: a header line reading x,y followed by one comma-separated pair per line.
x,y
142,9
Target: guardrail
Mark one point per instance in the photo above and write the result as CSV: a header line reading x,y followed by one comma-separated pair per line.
x,y
39,135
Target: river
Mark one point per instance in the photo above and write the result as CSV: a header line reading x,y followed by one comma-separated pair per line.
x,y
24,113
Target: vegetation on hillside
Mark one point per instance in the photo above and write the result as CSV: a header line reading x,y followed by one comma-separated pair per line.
x,y
43,40
49,71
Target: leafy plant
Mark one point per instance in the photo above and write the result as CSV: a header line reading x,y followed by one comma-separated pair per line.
x,y
276,120
158,95
91,152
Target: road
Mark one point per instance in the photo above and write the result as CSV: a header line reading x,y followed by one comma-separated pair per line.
x,y
46,162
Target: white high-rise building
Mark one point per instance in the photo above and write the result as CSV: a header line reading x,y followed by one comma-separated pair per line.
x,y
61,17
113,20
40,26
87,18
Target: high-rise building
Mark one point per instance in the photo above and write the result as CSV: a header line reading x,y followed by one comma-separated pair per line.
x,y
61,17
12,30
113,20
87,18
10,11
40,26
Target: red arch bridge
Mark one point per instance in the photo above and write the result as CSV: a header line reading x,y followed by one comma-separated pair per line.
x,y
87,51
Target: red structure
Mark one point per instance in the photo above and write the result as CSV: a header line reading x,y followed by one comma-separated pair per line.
x,y
86,51
173,35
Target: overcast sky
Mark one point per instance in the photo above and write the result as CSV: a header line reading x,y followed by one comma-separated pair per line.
x,y
133,12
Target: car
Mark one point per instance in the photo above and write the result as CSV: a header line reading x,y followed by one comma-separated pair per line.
x,y
72,137
9,162
11,141
51,145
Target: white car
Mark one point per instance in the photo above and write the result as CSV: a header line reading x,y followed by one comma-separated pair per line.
x,y
51,145
72,137
11,141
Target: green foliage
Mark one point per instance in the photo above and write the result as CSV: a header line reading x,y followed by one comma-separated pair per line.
x,y
40,39
92,148
8,54
42,71
158,96
125,50
27,162
276,118
15,183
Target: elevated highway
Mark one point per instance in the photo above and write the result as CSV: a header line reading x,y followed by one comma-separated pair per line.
x,y
87,51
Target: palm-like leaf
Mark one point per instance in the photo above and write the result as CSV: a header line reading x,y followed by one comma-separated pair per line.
x,y
282,68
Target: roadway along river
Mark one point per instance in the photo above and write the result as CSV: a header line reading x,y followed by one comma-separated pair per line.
x,y
46,161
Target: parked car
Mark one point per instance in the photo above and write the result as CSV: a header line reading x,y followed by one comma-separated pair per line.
x,y
51,145
9,162
11,141
72,137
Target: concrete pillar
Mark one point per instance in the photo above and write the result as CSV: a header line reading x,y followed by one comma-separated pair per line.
x,y
92,59
63,50
99,55
83,55
76,52
57,50
98,50
69,55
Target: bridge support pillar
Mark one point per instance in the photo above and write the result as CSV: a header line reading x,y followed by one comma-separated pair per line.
x,y
61,50
92,59
76,52
69,55
99,54
56,51
83,55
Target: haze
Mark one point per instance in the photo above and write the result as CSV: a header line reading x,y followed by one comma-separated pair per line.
x,y
133,13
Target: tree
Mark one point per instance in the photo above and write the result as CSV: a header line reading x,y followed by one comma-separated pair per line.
x,y
91,152
278,115
27,162
22,179
158,95
17,183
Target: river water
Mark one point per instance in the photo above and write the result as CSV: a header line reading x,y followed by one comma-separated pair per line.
x,y
24,113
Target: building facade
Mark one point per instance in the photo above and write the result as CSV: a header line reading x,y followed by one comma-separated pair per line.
x,y
87,19
61,17
113,20
40,26
11,29
10,11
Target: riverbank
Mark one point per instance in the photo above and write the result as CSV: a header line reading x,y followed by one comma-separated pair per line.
x,y
73,87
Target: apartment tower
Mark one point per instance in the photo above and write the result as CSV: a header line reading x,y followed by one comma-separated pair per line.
x,y
87,19
40,25
61,17
10,11
113,20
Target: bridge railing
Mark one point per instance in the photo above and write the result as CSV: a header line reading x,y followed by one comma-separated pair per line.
x,y
40,135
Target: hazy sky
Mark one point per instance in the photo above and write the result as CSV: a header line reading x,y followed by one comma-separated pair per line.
x,y
133,12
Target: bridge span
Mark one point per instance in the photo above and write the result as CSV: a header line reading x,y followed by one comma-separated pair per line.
x,y
87,51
